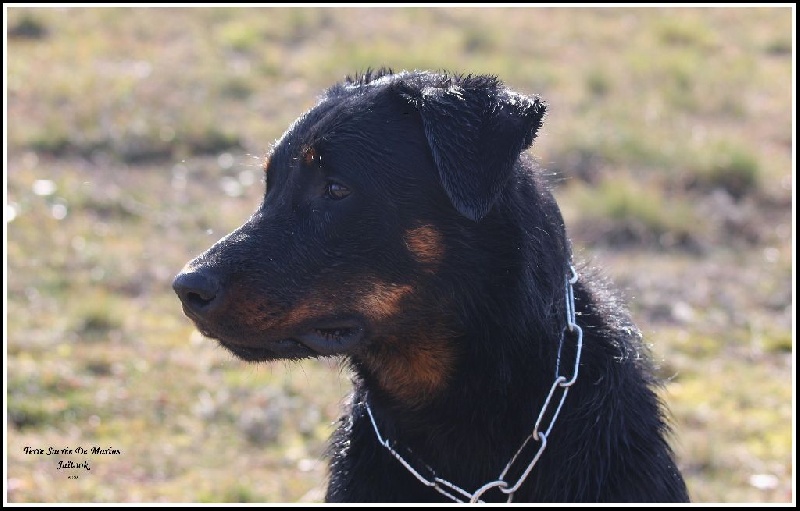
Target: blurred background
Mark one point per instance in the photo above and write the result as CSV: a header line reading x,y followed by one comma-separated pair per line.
x,y
134,142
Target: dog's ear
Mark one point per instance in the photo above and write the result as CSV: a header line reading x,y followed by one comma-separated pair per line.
x,y
476,130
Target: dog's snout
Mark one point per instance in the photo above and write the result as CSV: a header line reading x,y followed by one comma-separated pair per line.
x,y
199,292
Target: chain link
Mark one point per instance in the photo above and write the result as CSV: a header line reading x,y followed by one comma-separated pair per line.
x,y
561,385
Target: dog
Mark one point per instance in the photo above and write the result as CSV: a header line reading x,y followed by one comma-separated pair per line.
x,y
404,230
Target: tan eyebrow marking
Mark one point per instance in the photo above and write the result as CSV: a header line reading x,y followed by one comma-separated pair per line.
x,y
310,156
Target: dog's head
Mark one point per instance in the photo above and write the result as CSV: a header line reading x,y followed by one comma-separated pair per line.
x,y
370,200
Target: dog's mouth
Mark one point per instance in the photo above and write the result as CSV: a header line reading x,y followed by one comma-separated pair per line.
x,y
332,340
322,340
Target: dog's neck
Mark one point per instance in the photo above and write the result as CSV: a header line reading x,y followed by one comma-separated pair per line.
x,y
512,384
523,461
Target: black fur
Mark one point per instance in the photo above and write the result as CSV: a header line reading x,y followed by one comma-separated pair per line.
x,y
435,265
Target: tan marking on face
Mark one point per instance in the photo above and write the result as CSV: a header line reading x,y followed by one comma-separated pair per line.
x,y
415,368
377,301
426,245
383,300
312,307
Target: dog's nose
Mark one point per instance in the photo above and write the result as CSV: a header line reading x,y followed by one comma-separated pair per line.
x,y
197,290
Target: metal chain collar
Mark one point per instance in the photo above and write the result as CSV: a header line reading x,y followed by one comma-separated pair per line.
x,y
541,430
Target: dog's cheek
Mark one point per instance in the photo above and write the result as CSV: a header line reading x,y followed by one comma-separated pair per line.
x,y
411,353
415,367
381,302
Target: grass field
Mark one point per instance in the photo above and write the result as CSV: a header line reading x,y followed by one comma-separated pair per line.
x,y
134,141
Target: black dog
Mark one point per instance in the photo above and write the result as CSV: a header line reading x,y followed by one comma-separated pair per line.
x,y
402,230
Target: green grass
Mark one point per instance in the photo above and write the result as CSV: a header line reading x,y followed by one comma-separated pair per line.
x,y
669,130
620,212
726,165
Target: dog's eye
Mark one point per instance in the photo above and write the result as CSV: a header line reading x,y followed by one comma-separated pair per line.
x,y
336,191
